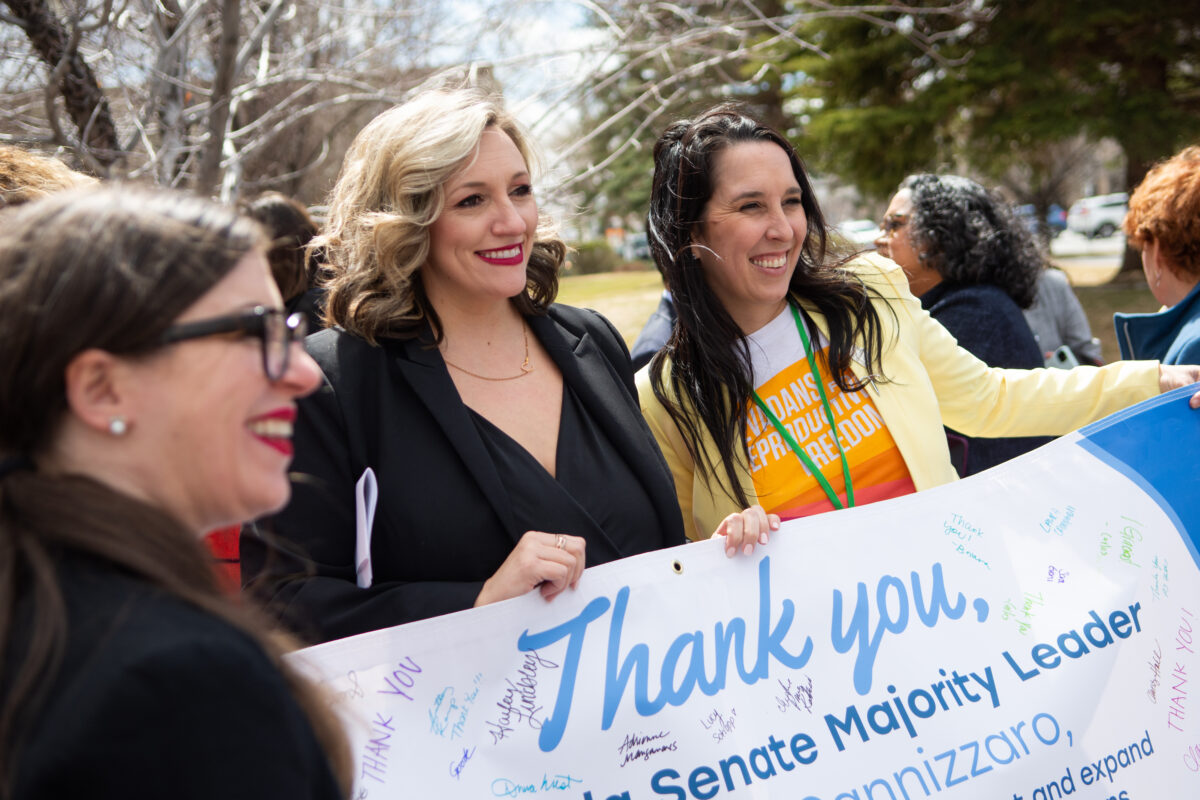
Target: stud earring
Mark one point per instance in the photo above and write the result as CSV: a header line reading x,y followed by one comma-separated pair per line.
x,y
117,426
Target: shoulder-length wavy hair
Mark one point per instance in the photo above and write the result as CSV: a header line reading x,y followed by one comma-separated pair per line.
x,y
390,191
709,354
108,269
1165,208
970,236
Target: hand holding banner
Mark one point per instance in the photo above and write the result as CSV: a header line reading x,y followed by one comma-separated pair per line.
x,y
1029,632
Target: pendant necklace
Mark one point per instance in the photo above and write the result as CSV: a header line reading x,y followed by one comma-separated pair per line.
x,y
526,367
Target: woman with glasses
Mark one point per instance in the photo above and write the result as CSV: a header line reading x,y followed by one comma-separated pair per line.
x,y
974,267
473,441
797,383
148,383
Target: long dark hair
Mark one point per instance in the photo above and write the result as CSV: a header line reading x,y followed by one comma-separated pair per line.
x,y
970,236
107,269
709,384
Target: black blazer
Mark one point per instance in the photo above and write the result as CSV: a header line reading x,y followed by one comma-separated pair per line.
x,y
155,698
988,324
443,524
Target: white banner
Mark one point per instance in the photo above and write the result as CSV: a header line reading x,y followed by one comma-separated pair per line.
x,y
1026,633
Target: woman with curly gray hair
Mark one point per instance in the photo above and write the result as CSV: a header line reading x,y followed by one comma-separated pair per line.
x,y
974,266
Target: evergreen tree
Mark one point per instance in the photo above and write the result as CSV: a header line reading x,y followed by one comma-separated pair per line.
x,y
996,87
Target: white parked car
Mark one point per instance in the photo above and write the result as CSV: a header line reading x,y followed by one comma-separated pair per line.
x,y
1101,215
861,232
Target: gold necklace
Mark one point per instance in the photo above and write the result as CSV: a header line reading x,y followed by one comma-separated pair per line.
x,y
526,367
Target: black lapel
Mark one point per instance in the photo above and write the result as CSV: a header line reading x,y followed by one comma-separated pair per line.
x,y
426,373
599,388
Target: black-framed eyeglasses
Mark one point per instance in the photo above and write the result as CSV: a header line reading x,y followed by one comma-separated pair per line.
x,y
274,327
893,223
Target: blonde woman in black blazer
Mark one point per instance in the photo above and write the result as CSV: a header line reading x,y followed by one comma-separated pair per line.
x,y
503,431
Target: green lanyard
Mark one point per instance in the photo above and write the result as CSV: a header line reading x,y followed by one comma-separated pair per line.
x,y
787,437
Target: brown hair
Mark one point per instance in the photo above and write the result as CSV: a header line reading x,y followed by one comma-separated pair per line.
x,y
291,228
709,357
109,269
390,191
1165,208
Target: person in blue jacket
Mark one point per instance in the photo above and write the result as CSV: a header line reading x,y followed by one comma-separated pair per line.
x,y
1164,223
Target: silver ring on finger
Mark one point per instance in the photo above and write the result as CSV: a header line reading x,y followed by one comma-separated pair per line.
x,y
560,542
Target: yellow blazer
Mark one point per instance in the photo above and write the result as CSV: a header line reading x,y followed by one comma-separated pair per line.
x,y
928,381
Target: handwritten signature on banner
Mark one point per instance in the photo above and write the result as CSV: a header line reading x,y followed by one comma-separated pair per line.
x,y
1023,611
448,714
519,703
1054,573
644,746
964,536
505,787
798,696
1155,665
457,765
1160,578
1122,538
720,725
1057,521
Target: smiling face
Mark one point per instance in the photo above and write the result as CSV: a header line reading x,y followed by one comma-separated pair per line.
x,y
480,245
209,437
751,233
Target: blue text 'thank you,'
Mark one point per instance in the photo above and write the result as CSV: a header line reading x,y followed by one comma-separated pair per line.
x,y
682,669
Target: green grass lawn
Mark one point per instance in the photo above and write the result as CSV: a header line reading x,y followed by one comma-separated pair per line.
x,y
626,298
629,298
1099,303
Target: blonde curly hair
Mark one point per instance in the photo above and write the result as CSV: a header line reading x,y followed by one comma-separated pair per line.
x,y
390,191
26,176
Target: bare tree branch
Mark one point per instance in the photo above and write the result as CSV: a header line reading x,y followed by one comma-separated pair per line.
x,y
209,176
72,78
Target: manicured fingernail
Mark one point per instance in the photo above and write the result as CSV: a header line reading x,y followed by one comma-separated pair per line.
x,y
730,552
749,548
774,524
762,538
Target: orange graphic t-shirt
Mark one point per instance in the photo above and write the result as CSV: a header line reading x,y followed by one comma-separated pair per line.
x,y
787,385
